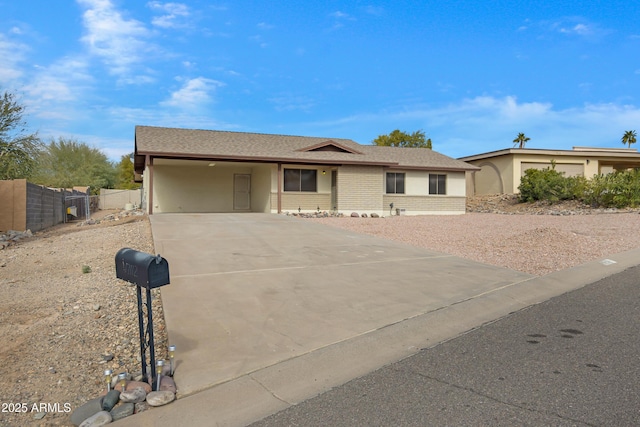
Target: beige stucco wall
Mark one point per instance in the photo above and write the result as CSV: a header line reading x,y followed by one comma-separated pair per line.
x,y
291,201
200,188
417,201
117,199
13,205
261,188
195,187
502,174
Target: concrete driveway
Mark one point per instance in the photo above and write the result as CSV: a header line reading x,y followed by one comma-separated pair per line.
x,y
251,290
268,311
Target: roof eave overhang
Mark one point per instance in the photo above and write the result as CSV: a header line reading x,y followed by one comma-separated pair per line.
x,y
471,168
257,159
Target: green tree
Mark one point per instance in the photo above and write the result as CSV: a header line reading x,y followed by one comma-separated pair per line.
x,y
521,140
126,175
67,163
399,138
629,138
18,149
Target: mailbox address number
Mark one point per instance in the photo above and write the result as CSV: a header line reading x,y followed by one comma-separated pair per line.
x,y
130,269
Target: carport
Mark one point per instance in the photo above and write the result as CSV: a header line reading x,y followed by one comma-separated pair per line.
x,y
199,186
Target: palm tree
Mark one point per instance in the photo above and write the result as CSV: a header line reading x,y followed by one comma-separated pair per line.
x,y
629,137
521,140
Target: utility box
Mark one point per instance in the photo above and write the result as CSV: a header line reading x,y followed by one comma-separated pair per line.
x,y
143,269
400,211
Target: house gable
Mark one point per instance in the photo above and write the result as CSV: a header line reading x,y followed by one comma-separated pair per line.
x,y
330,146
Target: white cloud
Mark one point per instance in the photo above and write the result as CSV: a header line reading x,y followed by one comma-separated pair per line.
x,y
61,80
12,54
118,41
193,94
339,19
339,15
574,26
175,14
57,92
265,26
480,124
288,102
259,40
579,29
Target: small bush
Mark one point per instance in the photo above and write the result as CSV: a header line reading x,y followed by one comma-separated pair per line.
x,y
86,269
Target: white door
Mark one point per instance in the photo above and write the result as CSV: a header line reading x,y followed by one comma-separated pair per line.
x,y
241,192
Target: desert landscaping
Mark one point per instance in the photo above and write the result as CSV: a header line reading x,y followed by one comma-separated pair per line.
x,y
65,318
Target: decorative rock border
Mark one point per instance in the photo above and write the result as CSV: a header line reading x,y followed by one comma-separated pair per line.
x,y
326,214
121,402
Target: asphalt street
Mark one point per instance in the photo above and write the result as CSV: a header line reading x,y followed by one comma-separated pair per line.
x,y
570,361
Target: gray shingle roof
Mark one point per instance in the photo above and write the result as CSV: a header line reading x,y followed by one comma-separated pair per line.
x,y
243,146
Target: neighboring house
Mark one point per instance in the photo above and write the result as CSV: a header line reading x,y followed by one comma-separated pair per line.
x,y
501,171
186,170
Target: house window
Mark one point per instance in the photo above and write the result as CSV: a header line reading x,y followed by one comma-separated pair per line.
x,y
395,183
437,184
301,180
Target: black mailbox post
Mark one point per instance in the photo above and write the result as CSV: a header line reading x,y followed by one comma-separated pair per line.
x,y
145,271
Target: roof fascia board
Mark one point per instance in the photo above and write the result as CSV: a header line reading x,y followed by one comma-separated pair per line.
x,y
251,159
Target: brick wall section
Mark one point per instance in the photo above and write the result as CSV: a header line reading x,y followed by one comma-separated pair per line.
x,y
360,189
425,203
291,201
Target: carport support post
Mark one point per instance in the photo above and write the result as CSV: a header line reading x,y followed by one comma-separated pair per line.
x,y
144,334
279,188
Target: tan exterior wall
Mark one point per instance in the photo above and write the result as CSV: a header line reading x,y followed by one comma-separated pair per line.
x,y
569,169
502,174
195,187
13,208
117,199
425,205
360,189
261,188
145,189
494,176
418,201
306,202
200,188
291,201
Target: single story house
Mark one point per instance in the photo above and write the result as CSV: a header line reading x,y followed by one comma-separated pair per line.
x,y
188,170
501,171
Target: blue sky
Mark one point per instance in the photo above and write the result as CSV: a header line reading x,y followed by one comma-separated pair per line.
x,y
470,74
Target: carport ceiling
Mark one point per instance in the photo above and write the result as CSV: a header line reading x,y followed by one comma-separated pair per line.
x,y
202,163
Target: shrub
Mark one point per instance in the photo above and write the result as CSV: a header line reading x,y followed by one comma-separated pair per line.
x,y
619,189
549,185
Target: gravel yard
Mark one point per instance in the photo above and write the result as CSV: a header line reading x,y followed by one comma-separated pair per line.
x,y
535,244
61,325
